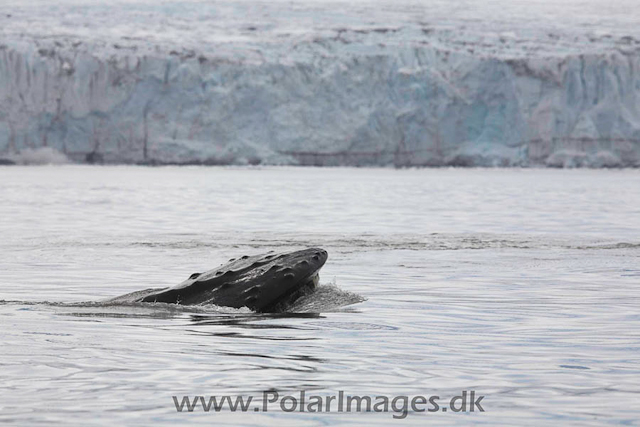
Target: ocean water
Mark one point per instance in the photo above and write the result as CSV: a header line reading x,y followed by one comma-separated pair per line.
x,y
522,286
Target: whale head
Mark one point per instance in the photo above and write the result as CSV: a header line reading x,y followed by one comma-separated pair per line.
x,y
263,283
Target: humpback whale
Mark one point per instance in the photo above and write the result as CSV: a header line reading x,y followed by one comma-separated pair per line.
x,y
264,283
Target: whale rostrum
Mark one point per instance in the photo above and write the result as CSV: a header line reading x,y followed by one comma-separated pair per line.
x,y
264,283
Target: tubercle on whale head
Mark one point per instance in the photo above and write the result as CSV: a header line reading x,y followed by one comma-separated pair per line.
x,y
308,258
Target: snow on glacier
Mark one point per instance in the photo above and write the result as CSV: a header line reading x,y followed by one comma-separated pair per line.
x,y
322,82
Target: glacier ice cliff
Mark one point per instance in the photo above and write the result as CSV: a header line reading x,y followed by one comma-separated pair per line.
x,y
319,83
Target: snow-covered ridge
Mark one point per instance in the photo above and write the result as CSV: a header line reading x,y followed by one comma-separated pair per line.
x,y
327,83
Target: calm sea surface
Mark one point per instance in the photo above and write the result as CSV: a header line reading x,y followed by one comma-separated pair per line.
x,y
520,285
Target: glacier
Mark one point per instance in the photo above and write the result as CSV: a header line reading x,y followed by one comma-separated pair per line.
x,y
327,83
